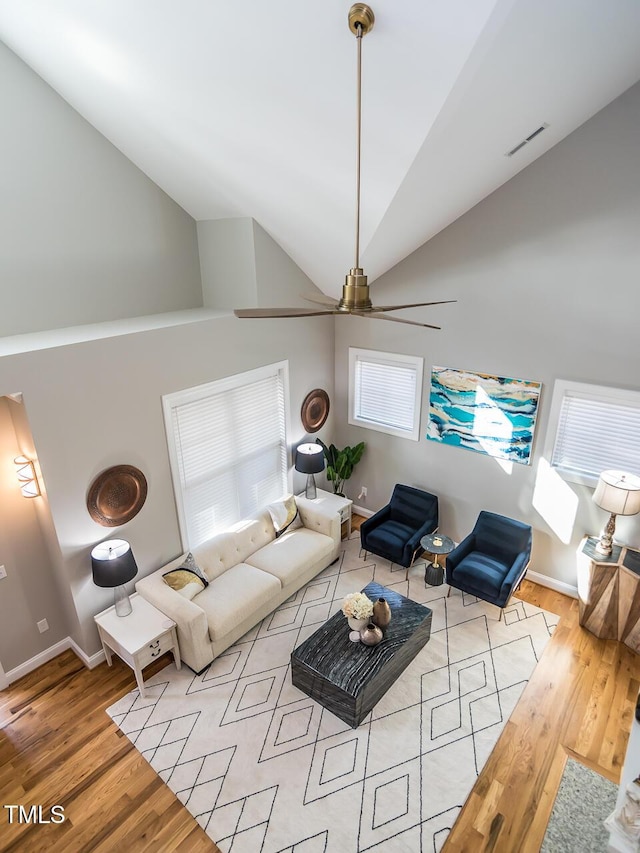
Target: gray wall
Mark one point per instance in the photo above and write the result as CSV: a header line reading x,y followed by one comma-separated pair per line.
x,y
29,593
84,235
546,276
96,404
243,267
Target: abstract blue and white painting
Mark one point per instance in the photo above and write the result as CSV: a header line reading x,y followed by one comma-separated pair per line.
x,y
478,411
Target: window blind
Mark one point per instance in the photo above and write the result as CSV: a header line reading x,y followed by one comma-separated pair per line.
x,y
231,454
385,394
595,435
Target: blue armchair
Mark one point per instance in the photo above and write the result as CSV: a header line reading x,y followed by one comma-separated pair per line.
x,y
492,560
394,532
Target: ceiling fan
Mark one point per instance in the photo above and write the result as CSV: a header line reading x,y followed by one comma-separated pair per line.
x,y
355,291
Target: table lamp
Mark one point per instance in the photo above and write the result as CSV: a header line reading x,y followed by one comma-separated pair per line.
x,y
618,493
310,461
114,565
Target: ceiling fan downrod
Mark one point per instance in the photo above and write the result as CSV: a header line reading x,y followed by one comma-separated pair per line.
x,y
355,291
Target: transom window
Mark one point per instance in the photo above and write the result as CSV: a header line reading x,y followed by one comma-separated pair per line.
x,y
385,392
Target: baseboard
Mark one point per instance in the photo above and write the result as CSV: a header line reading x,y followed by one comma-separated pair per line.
x,y
361,510
39,659
90,661
48,654
552,583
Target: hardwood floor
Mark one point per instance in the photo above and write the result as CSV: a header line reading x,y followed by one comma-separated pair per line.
x,y
579,702
59,747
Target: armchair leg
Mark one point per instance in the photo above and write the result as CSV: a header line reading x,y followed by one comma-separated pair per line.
x,y
448,592
500,616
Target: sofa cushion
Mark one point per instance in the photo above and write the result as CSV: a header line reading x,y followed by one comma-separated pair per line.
x,y
230,597
221,552
286,556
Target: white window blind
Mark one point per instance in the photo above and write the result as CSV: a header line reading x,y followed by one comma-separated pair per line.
x,y
228,447
595,435
385,392
592,428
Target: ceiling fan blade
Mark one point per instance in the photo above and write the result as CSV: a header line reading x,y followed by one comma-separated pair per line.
x,y
280,312
392,319
319,302
411,305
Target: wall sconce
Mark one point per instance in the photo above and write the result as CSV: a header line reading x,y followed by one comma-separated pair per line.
x,y
26,473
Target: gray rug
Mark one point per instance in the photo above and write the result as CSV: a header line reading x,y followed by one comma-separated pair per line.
x,y
584,800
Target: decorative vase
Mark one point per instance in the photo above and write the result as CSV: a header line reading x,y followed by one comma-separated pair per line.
x,y
371,635
356,625
381,613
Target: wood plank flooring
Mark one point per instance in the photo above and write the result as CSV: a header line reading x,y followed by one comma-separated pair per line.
x,y
580,703
59,747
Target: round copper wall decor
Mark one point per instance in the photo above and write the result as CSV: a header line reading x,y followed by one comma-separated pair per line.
x,y
117,495
315,410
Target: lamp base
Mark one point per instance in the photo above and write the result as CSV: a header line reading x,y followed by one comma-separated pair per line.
x,y
605,545
310,492
122,601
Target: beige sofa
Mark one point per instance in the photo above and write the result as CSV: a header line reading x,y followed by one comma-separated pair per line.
x,y
250,573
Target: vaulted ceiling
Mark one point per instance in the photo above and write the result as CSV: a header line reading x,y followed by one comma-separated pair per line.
x,y
248,109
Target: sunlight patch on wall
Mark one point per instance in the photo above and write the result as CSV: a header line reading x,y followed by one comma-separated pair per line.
x,y
556,501
490,420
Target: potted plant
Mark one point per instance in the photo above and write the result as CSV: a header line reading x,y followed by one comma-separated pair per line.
x,y
340,463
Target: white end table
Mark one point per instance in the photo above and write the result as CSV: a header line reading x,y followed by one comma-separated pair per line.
x,y
139,638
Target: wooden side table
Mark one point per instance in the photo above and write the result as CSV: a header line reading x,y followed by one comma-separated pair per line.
x,y
139,638
609,592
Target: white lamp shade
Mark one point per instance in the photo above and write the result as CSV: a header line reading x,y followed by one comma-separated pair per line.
x,y
618,492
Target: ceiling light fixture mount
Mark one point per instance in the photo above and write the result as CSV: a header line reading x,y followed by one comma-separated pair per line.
x,y
355,291
361,19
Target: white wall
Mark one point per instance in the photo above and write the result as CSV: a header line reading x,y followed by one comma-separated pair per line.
x,y
546,276
85,235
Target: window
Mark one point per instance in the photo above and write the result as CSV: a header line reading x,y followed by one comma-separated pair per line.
x,y
593,428
228,449
385,392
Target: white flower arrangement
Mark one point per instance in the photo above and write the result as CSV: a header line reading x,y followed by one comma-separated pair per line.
x,y
356,605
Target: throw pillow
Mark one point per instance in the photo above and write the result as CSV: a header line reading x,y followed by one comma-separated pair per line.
x,y
187,579
284,515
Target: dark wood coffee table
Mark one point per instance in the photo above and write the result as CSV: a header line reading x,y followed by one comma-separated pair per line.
x,y
348,678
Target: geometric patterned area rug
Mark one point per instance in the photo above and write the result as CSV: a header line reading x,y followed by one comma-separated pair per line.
x,y
265,769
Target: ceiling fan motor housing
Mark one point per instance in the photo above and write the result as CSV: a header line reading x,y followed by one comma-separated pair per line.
x,y
355,291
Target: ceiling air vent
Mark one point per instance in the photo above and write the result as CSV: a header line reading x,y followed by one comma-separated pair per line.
x,y
524,142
